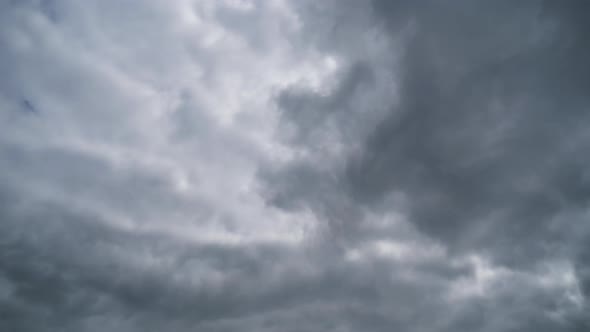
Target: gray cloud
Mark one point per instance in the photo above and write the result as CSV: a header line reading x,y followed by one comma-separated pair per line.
x,y
484,149
294,166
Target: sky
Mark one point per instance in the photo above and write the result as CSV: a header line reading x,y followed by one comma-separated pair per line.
x,y
294,165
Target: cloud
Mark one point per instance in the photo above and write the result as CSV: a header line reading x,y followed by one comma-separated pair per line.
x,y
293,165
481,146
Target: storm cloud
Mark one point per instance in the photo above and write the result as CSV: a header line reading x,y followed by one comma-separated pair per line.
x,y
289,165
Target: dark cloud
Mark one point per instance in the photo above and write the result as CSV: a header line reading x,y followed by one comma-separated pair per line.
x,y
485,148
489,131
489,126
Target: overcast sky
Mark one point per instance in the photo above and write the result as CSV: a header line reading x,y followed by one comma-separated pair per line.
x,y
294,165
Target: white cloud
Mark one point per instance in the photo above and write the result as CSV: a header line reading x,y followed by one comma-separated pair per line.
x,y
169,89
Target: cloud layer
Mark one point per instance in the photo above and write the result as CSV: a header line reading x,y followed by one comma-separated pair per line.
x,y
246,165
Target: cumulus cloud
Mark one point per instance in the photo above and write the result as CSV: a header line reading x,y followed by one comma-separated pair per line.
x,y
246,165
